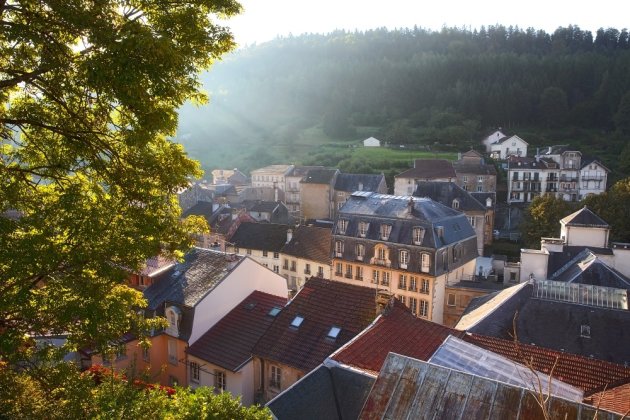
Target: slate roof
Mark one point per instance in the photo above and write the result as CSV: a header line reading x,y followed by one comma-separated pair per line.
x,y
394,210
188,282
155,265
264,206
310,243
322,304
411,388
583,372
584,217
202,208
506,138
445,192
483,196
230,341
396,330
328,392
483,169
588,268
261,236
350,182
590,160
609,328
320,176
429,169
302,170
557,260
518,163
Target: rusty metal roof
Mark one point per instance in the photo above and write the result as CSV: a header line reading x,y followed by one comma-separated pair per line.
x,y
408,388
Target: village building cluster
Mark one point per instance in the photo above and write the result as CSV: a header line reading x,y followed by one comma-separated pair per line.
x,y
321,295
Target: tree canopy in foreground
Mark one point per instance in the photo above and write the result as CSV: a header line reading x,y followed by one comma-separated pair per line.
x,y
89,92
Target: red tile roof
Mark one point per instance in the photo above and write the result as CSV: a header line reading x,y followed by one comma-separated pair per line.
x,y
613,398
398,331
230,341
583,372
323,304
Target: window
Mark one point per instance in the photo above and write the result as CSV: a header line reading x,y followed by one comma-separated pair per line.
x,y
236,250
121,351
172,351
276,255
425,263
173,315
513,276
293,266
418,235
307,270
424,308
297,321
585,331
413,283
338,248
381,253
479,188
285,264
402,281
276,268
276,377
402,299
360,250
455,204
320,271
404,258
359,273
265,265
194,371
334,332
413,305
249,252
348,271
480,179
274,311
219,380
338,269
375,276
265,253
386,278
472,219
363,228
342,224
465,178
385,231
451,299
146,354
425,286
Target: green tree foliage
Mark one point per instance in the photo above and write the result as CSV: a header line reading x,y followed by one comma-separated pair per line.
x,y
622,116
553,107
67,394
542,219
614,207
88,175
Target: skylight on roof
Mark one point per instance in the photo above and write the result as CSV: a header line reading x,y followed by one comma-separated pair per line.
x,y
334,332
274,311
297,321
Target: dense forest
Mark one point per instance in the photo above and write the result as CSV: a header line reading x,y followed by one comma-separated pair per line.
x,y
440,89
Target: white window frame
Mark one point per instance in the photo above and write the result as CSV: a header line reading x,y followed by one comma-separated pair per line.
x,y
404,258
338,248
423,308
275,380
451,299
425,262
194,371
220,380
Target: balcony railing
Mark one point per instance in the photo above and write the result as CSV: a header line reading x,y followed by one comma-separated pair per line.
x,y
378,261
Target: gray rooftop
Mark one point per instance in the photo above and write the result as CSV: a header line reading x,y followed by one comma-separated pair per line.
x,y
188,282
358,182
584,217
446,192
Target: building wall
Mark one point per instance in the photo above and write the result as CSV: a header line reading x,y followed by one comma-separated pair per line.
x,y
593,180
512,146
241,282
239,384
271,261
533,262
585,236
459,297
296,278
477,183
406,186
262,378
315,201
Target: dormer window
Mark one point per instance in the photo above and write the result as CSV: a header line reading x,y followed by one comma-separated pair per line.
x,y
360,250
418,235
342,224
274,311
585,331
338,248
297,321
455,204
363,228
404,258
385,231
173,316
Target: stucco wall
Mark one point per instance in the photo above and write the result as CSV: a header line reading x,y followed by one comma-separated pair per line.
x,y
315,201
585,236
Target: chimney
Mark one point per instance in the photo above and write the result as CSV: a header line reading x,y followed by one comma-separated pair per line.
x,y
360,186
275,192
410,205
537,155
289,235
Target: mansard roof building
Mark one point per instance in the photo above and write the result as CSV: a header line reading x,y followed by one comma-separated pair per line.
x,y
405,246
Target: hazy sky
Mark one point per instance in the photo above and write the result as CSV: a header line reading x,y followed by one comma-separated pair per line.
x,y
263,20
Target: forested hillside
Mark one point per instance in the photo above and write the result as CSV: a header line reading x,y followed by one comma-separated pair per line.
x,y
289,98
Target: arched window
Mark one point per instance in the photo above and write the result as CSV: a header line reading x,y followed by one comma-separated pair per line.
x,y
173,316
455,203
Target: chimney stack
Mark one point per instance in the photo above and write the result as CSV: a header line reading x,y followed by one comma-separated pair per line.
x,y
275,192
360,186
410,205
289,235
